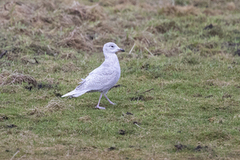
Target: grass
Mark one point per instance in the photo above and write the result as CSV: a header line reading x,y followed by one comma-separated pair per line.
x,y
179,94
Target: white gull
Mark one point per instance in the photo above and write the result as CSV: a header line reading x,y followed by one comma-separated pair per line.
x,y
102,78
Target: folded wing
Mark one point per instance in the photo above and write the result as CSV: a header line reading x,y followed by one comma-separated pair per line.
x,y
101,79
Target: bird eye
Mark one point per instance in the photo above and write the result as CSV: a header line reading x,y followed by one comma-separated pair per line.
x,y
112,46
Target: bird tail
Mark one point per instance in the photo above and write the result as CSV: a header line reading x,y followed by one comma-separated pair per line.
x,y
74,93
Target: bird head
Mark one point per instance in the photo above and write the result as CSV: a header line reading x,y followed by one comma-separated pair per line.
x,y
111,47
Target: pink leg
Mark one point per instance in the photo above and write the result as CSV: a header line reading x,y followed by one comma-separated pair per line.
x,y
99,103
109,100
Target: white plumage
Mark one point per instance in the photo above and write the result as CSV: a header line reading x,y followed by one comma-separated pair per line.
x,y
102,78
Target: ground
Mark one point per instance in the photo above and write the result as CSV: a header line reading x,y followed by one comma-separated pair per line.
x,y
177,98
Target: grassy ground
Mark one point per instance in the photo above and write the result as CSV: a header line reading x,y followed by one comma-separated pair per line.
x,y
179,94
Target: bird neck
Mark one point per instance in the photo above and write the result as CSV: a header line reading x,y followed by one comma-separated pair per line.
x,y
111,56
111,59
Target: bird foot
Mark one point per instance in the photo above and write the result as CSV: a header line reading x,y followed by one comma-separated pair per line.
x,y
112,102
98,107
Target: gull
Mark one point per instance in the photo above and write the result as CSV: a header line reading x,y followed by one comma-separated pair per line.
x,y
102,78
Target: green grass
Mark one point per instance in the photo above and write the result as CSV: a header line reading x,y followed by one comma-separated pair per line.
x,y
184,99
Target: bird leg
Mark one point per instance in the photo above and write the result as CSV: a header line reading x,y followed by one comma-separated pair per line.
x,y
99,103
109,100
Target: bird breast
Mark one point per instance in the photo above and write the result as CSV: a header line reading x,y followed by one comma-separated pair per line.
x,y
112,63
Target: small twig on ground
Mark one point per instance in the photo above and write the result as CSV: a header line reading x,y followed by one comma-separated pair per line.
x,y
149,51
67,152
119,85
132,48
2,54
147,90
35,60
22,157
72,33
138,125
14,155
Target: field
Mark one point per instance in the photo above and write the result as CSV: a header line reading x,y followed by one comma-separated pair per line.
x,y
177,98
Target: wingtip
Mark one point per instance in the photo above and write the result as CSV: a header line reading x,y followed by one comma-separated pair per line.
x,y
65,95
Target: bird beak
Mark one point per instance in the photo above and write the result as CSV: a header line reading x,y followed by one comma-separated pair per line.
x,y
121,50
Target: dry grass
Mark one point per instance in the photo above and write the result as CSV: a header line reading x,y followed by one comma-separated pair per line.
x,y
180,10
16,78
37,112
180,98
70,67
86,118
55,105
114,3
85,27
36,14
68,55
77,39
92,13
